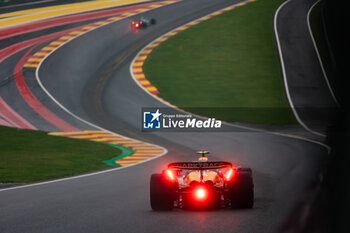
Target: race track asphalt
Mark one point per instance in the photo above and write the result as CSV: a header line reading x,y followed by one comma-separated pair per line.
x,y
286,170
307,83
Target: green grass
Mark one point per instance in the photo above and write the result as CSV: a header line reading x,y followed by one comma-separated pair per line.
x,y
28,156
227,66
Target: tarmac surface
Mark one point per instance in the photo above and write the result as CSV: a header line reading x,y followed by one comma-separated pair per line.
x,y
286,170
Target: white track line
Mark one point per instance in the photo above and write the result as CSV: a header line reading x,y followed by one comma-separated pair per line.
x,y
318,54
231,124
91,124
85,175
285,75
70,13
86,122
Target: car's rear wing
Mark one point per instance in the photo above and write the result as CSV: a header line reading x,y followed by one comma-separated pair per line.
x,y
200,165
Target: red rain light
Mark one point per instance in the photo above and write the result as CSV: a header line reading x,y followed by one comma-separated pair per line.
x,y
137,25
201,193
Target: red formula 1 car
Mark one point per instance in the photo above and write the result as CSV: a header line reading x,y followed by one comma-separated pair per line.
x,y
202,184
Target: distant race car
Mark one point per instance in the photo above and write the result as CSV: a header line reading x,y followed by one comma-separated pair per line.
x,y
142,23
202,184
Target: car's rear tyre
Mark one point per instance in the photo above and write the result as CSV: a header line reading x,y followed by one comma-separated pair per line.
x,y
162,193
153,21
242,190
143,25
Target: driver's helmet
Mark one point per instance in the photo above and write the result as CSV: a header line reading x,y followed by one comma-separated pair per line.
x,y
203,158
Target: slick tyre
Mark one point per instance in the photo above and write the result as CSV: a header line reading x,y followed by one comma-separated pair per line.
x,y
242,191
162,193
144,25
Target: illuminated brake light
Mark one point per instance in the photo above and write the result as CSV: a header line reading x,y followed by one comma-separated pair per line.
x,y
229,174
137,25
170,175
201,193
